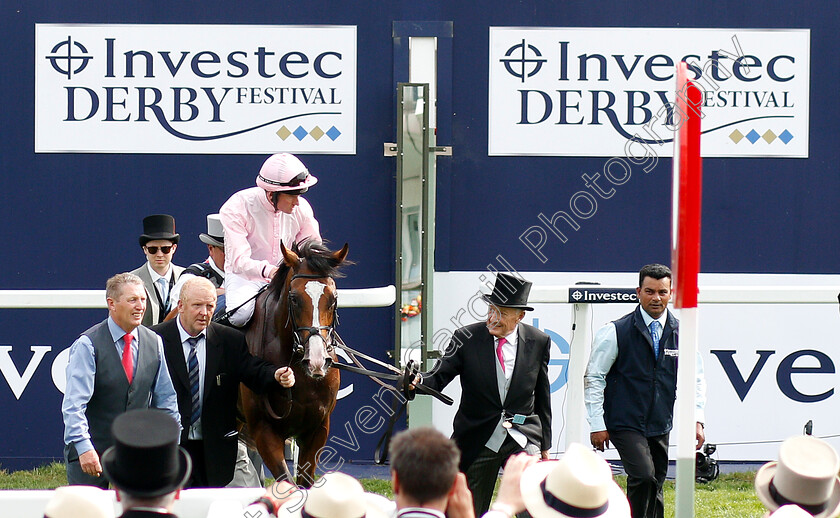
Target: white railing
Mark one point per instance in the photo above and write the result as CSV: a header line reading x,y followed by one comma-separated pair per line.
x,y
95,299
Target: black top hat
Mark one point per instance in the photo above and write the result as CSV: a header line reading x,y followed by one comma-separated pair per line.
x,y
510,292
145,460
159,226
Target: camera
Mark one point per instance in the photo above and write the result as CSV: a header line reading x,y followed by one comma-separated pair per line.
x,y
705,467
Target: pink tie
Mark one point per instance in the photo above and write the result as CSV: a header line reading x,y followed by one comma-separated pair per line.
x,y
502,341
128,358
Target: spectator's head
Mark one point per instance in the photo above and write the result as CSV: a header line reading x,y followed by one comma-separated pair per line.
x,y
214,238
159,241
283,177
80,501
508,303
146,466
579,484
424,463
805,475
126,298
336,495
197,303
654,289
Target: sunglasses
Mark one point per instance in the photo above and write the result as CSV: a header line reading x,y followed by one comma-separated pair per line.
x,y
294,182
154,249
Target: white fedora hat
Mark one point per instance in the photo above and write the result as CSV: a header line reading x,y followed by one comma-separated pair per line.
x,y
75,501
579,484
805,475
336,495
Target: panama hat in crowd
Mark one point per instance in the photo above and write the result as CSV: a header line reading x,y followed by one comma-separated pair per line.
x,y
790,511
336,495
579,484
805,475
76,501
284,172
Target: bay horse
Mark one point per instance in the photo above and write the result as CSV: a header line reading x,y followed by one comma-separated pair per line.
x,y
293,325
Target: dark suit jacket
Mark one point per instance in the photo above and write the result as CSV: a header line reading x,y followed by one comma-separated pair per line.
x,y
472,355
228,364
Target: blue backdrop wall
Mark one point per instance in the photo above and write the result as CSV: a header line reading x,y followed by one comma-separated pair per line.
x,y
72,220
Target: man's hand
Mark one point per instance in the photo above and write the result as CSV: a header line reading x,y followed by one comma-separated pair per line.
x,y
510,494
413,384
544,455
89,461
460,503
600,440
285,377
701,436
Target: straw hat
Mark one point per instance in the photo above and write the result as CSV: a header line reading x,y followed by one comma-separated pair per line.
x,y
336,495
805,475
790,511
579,484
75,501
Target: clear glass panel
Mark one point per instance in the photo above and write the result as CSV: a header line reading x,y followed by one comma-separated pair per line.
x,y
412,143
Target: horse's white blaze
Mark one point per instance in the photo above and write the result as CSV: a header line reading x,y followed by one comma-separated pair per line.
x,y
317,346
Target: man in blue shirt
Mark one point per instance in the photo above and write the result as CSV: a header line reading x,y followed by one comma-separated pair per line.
x,y
630,386
115,366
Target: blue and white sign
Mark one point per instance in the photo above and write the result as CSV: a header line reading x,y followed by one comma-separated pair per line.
x,y
195,89
586,91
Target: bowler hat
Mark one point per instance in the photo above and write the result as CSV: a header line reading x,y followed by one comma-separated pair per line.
x,y
145,460
510,292
805,475
159,226
215,235
285,172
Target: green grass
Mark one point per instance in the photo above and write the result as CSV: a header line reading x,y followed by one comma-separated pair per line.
x,y
730,496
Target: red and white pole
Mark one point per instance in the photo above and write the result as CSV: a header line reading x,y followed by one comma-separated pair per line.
x,y
685,264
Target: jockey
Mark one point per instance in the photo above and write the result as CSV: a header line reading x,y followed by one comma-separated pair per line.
x,y
256,220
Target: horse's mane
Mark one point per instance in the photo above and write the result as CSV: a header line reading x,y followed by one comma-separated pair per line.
x,y
318,258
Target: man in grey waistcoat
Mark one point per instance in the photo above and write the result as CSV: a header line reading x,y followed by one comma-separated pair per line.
x,y
115,366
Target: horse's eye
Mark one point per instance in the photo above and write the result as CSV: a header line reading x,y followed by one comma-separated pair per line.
x,y
293,300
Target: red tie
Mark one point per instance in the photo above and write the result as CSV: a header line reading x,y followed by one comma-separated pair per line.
x,y
502,341
127,358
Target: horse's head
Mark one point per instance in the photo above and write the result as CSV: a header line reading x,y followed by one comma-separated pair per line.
x,y
312,303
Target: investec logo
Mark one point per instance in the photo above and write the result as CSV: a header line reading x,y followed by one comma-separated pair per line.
x,y
623,79
202,83
602,295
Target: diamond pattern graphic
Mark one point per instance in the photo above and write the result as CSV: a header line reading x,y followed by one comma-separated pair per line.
x,y
283,133
333,133
300,133
785,136
753,136
316,133
769,136
736,136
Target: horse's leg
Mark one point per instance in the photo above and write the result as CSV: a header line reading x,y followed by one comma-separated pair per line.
x,y
310,444
272,449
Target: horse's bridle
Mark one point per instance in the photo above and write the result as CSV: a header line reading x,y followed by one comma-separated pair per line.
x,y
298,348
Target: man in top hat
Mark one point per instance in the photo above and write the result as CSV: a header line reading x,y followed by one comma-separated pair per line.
x,y
505,395
159,242
212,269
145,465
115,366
256,220
804,475
630,386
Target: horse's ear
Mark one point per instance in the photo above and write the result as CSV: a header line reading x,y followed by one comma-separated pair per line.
x,y
290,258
341,255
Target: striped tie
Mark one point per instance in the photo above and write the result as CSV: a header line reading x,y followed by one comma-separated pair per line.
x,y
192,365
655,333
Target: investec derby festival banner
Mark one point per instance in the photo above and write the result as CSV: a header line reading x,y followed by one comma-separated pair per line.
x,y
195,89
585,91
